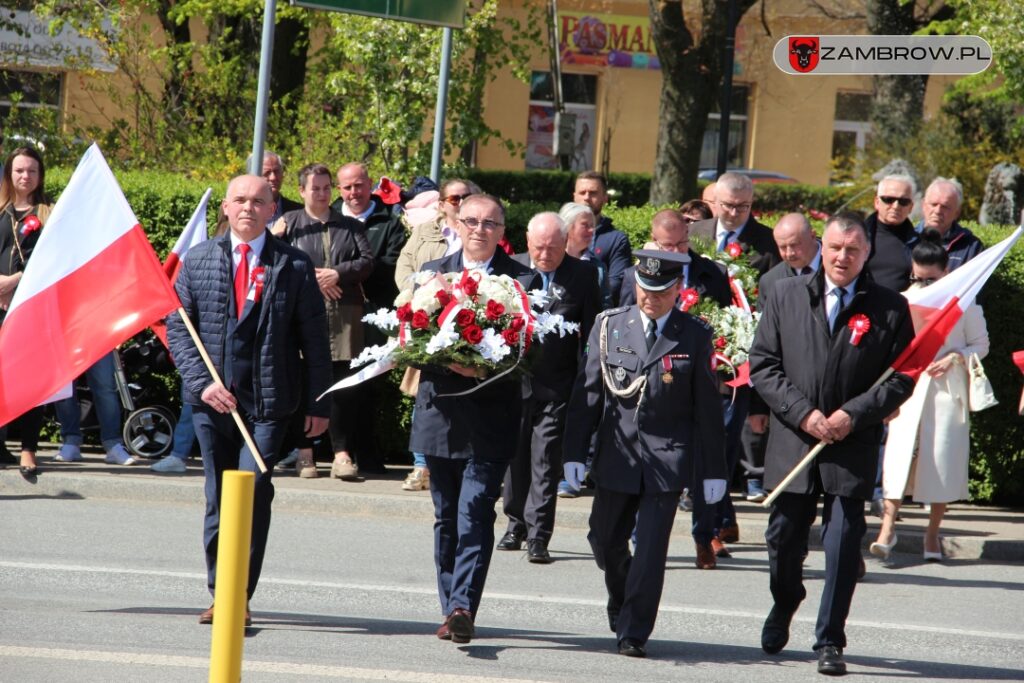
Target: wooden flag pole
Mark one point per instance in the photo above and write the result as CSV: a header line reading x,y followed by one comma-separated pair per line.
x,y
216,378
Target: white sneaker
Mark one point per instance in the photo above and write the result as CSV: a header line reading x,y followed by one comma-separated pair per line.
x,y
170,464
119,456
68,453
418,480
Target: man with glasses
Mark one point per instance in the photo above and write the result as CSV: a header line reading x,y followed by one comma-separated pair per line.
x,y
734,197
942,203
611,246
468,440
892,234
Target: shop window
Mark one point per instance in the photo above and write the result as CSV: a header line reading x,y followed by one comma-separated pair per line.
x,y
850,132
738,116
31,90
580,94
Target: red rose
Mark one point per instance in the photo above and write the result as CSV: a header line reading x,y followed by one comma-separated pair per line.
x,y
465,318
420,320
404,313
720,343
469,286
494,310
734,250
510,336
443,297
473,334
518,323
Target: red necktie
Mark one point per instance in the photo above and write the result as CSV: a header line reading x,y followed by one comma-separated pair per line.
x,y
242,279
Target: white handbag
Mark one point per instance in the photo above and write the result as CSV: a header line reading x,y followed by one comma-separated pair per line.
x,y
980,390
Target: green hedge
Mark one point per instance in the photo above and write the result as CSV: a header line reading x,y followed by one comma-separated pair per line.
x,y
163,204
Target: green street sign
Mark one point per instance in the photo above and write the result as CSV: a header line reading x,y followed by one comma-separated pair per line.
x,y
438,12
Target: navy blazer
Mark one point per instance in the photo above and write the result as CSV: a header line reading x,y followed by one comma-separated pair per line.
x,y
611,246
756,239
483,425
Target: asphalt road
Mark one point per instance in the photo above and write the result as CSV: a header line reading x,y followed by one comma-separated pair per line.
x,y
106,590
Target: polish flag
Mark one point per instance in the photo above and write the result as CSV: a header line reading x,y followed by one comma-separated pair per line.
x,y
194,233
937,307
93,281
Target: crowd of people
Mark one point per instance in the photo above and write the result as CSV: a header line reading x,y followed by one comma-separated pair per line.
x,y
630,405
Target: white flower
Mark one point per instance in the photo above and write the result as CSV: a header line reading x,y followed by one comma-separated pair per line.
x,y
499,288
423,277
404,297
425,298
492,347
382,318
550,323
444,338
538,297
375,354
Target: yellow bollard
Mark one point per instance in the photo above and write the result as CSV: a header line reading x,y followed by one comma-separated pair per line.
x,y
229,595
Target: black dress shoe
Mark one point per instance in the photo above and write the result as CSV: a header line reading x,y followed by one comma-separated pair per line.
x,y
28,472
830,661
511,541
460,626
631,648
775,633
537,551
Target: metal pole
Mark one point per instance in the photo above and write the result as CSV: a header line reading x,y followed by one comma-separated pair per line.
x,y
442,104
725,108
259,129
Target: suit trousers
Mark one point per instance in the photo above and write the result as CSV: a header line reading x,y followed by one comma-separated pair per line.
x,y
842,530
531,483
709,519
223,449
634,583
464,494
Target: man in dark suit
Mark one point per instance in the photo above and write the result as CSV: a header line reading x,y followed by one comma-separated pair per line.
x,y
819,378
801,255
648,391
532,478
734,197
611,246
670,232
258,310
468,440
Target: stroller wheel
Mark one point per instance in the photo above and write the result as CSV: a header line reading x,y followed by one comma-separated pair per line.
x,y
149,432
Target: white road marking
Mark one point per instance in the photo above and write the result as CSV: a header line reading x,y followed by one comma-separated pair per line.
x,y
514,597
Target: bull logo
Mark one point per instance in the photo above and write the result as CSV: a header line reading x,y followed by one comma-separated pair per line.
x,y
803,53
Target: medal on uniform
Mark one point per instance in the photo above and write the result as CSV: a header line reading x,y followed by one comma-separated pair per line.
x,y
666,365
620,374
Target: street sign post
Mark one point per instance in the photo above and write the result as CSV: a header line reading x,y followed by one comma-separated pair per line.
x,y
450,13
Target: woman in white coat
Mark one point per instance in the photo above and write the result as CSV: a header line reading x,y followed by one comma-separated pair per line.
x,y
927,449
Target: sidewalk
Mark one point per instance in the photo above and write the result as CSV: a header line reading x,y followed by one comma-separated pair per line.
x,y
969,532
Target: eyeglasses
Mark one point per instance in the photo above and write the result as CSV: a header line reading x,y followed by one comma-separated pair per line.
x,y
690,219
455,199
922,280
486,224
902,201
735,207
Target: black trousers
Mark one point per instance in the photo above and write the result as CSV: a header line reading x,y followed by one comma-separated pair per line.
x,y
842,530
531,483
634,583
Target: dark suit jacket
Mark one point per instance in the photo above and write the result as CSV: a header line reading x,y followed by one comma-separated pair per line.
x,y
677,438
611,246
756,239
706,276
574,294
485,424
797,365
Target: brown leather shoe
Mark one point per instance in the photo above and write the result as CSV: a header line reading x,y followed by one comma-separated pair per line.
x,y
729,534
719,548
460,625
207,616
442,631
705,557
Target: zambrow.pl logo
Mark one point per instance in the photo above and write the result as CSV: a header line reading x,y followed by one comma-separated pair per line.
x,y
803,53
866,55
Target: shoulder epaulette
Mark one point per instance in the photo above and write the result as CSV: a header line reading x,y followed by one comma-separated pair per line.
x,y
612,311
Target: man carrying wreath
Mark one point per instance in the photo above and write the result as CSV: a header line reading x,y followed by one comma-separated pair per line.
x,y
822,342
468,439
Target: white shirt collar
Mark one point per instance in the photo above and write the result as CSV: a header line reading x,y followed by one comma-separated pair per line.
x,y
721,231
255,245
478,265
830,286
345,211
660,322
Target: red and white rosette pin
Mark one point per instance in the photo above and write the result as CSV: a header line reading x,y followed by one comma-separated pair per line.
x,y
30,224
688,298
859,326
734,249
258,278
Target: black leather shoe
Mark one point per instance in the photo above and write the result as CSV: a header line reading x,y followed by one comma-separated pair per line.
x,y
631,648
830,661
537,551
460,626
511,541
775,633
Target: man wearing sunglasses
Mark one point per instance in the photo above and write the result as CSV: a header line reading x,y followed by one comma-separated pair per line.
x,y
892,233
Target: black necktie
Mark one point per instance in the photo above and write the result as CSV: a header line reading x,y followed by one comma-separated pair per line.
x,y
652,333
806,270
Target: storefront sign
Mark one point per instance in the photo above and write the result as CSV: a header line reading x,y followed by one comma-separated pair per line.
x,y
67,48
606,40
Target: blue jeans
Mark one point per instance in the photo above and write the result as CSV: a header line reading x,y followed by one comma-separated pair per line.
x,y
106,401
184,432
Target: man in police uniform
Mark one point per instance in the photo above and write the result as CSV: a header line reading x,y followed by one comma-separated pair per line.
x,y
648,391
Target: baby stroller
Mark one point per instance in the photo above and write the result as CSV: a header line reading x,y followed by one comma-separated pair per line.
x,y
148,431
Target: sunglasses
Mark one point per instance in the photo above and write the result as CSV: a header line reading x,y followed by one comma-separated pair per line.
x,y
925,281
455,199
902,201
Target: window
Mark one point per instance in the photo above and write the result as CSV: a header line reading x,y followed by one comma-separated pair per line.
x,y
580,94
737,152
31,89
850,132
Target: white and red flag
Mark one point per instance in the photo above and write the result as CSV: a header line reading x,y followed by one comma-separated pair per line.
x,y
937,307
194,233
93,281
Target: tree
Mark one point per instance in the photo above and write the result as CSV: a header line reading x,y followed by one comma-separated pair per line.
x,y
691,71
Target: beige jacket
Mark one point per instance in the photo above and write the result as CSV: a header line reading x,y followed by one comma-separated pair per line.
x,y
425,243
